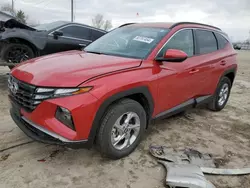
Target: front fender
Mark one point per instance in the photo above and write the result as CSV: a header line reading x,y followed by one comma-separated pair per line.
x,y
108,101
38,39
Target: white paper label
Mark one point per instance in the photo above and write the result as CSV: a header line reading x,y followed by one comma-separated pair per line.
x,y
143,39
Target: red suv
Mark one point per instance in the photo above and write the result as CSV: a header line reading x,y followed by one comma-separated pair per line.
x,y
109,93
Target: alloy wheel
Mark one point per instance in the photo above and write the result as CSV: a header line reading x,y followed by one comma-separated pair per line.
x,y
17,55
223,94
125,130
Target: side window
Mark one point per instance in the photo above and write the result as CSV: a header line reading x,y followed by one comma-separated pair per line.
x,y
96,34
222,41
76,32
206,41
182,40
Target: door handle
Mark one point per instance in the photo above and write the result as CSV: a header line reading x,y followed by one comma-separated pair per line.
x,y
223,62
194,71
82,45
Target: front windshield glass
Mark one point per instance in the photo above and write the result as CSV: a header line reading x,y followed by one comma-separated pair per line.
x,y
134,42
50,26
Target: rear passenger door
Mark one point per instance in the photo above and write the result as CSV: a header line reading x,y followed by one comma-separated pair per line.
x,y
95,34
78,36
204,61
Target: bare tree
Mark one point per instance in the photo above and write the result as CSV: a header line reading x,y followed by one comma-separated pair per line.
x,y
107,25
99,22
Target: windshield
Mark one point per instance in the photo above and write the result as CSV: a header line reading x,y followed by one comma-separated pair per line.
x,y
50,26
134,42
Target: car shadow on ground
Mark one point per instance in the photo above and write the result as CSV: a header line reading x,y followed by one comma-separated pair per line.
x,y
151,134
49,152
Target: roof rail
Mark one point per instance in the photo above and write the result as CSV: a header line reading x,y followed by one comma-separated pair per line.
x,y
180,23
126,24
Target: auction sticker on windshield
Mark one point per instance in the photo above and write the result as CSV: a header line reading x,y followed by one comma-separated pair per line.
x,y
143,39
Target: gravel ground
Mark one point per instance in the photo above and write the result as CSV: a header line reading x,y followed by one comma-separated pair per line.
x,y
225,134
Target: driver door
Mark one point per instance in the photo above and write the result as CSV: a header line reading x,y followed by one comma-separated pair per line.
x,y
177,80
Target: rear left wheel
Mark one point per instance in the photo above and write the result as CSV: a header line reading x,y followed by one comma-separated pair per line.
x,y
121,129
221,95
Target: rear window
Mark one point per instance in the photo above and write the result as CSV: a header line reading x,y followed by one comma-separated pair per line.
x,y
222,41
76,32
96,34
206,41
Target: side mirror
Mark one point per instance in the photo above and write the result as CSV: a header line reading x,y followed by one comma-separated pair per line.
x,y
57,34
173,55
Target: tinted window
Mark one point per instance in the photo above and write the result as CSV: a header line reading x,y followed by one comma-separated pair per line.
x,y
76,32
222,42
96,34
182,40
206,41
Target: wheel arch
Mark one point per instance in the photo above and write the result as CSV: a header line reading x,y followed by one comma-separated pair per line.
x,y
140,94
230,73
24,41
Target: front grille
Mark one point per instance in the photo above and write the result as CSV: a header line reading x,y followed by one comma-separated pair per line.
x,y
23,94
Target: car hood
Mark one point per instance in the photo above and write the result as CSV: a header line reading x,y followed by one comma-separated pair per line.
x,y
12,23
69,69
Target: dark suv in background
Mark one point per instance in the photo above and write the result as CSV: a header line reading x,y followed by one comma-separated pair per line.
x,y
20,42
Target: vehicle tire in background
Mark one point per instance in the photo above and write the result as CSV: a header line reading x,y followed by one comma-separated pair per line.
x,y
16,53
121,129
221,95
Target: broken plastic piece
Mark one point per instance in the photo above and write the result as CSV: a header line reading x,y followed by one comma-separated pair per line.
x,y
193,157
221,171
185,175
187,156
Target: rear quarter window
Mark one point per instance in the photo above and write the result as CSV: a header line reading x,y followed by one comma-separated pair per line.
x,y
206,41
96,34
77,32
222,41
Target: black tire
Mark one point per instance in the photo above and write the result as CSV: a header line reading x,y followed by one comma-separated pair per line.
x,y
7,49
214,104
104,134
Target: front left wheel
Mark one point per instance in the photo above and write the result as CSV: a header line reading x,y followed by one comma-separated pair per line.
x,y
16,53
121,129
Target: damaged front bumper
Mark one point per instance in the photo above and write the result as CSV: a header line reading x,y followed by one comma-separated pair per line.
x,y
43,135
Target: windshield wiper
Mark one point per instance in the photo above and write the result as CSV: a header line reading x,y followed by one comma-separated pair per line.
x,y
93,52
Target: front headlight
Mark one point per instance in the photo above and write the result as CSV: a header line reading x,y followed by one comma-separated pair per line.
x,y
44,93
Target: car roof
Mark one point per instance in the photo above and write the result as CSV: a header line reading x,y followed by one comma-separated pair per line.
x,y
171,25
150,24
68,23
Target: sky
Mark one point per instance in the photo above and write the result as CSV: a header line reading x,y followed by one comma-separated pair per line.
x,y
232,16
